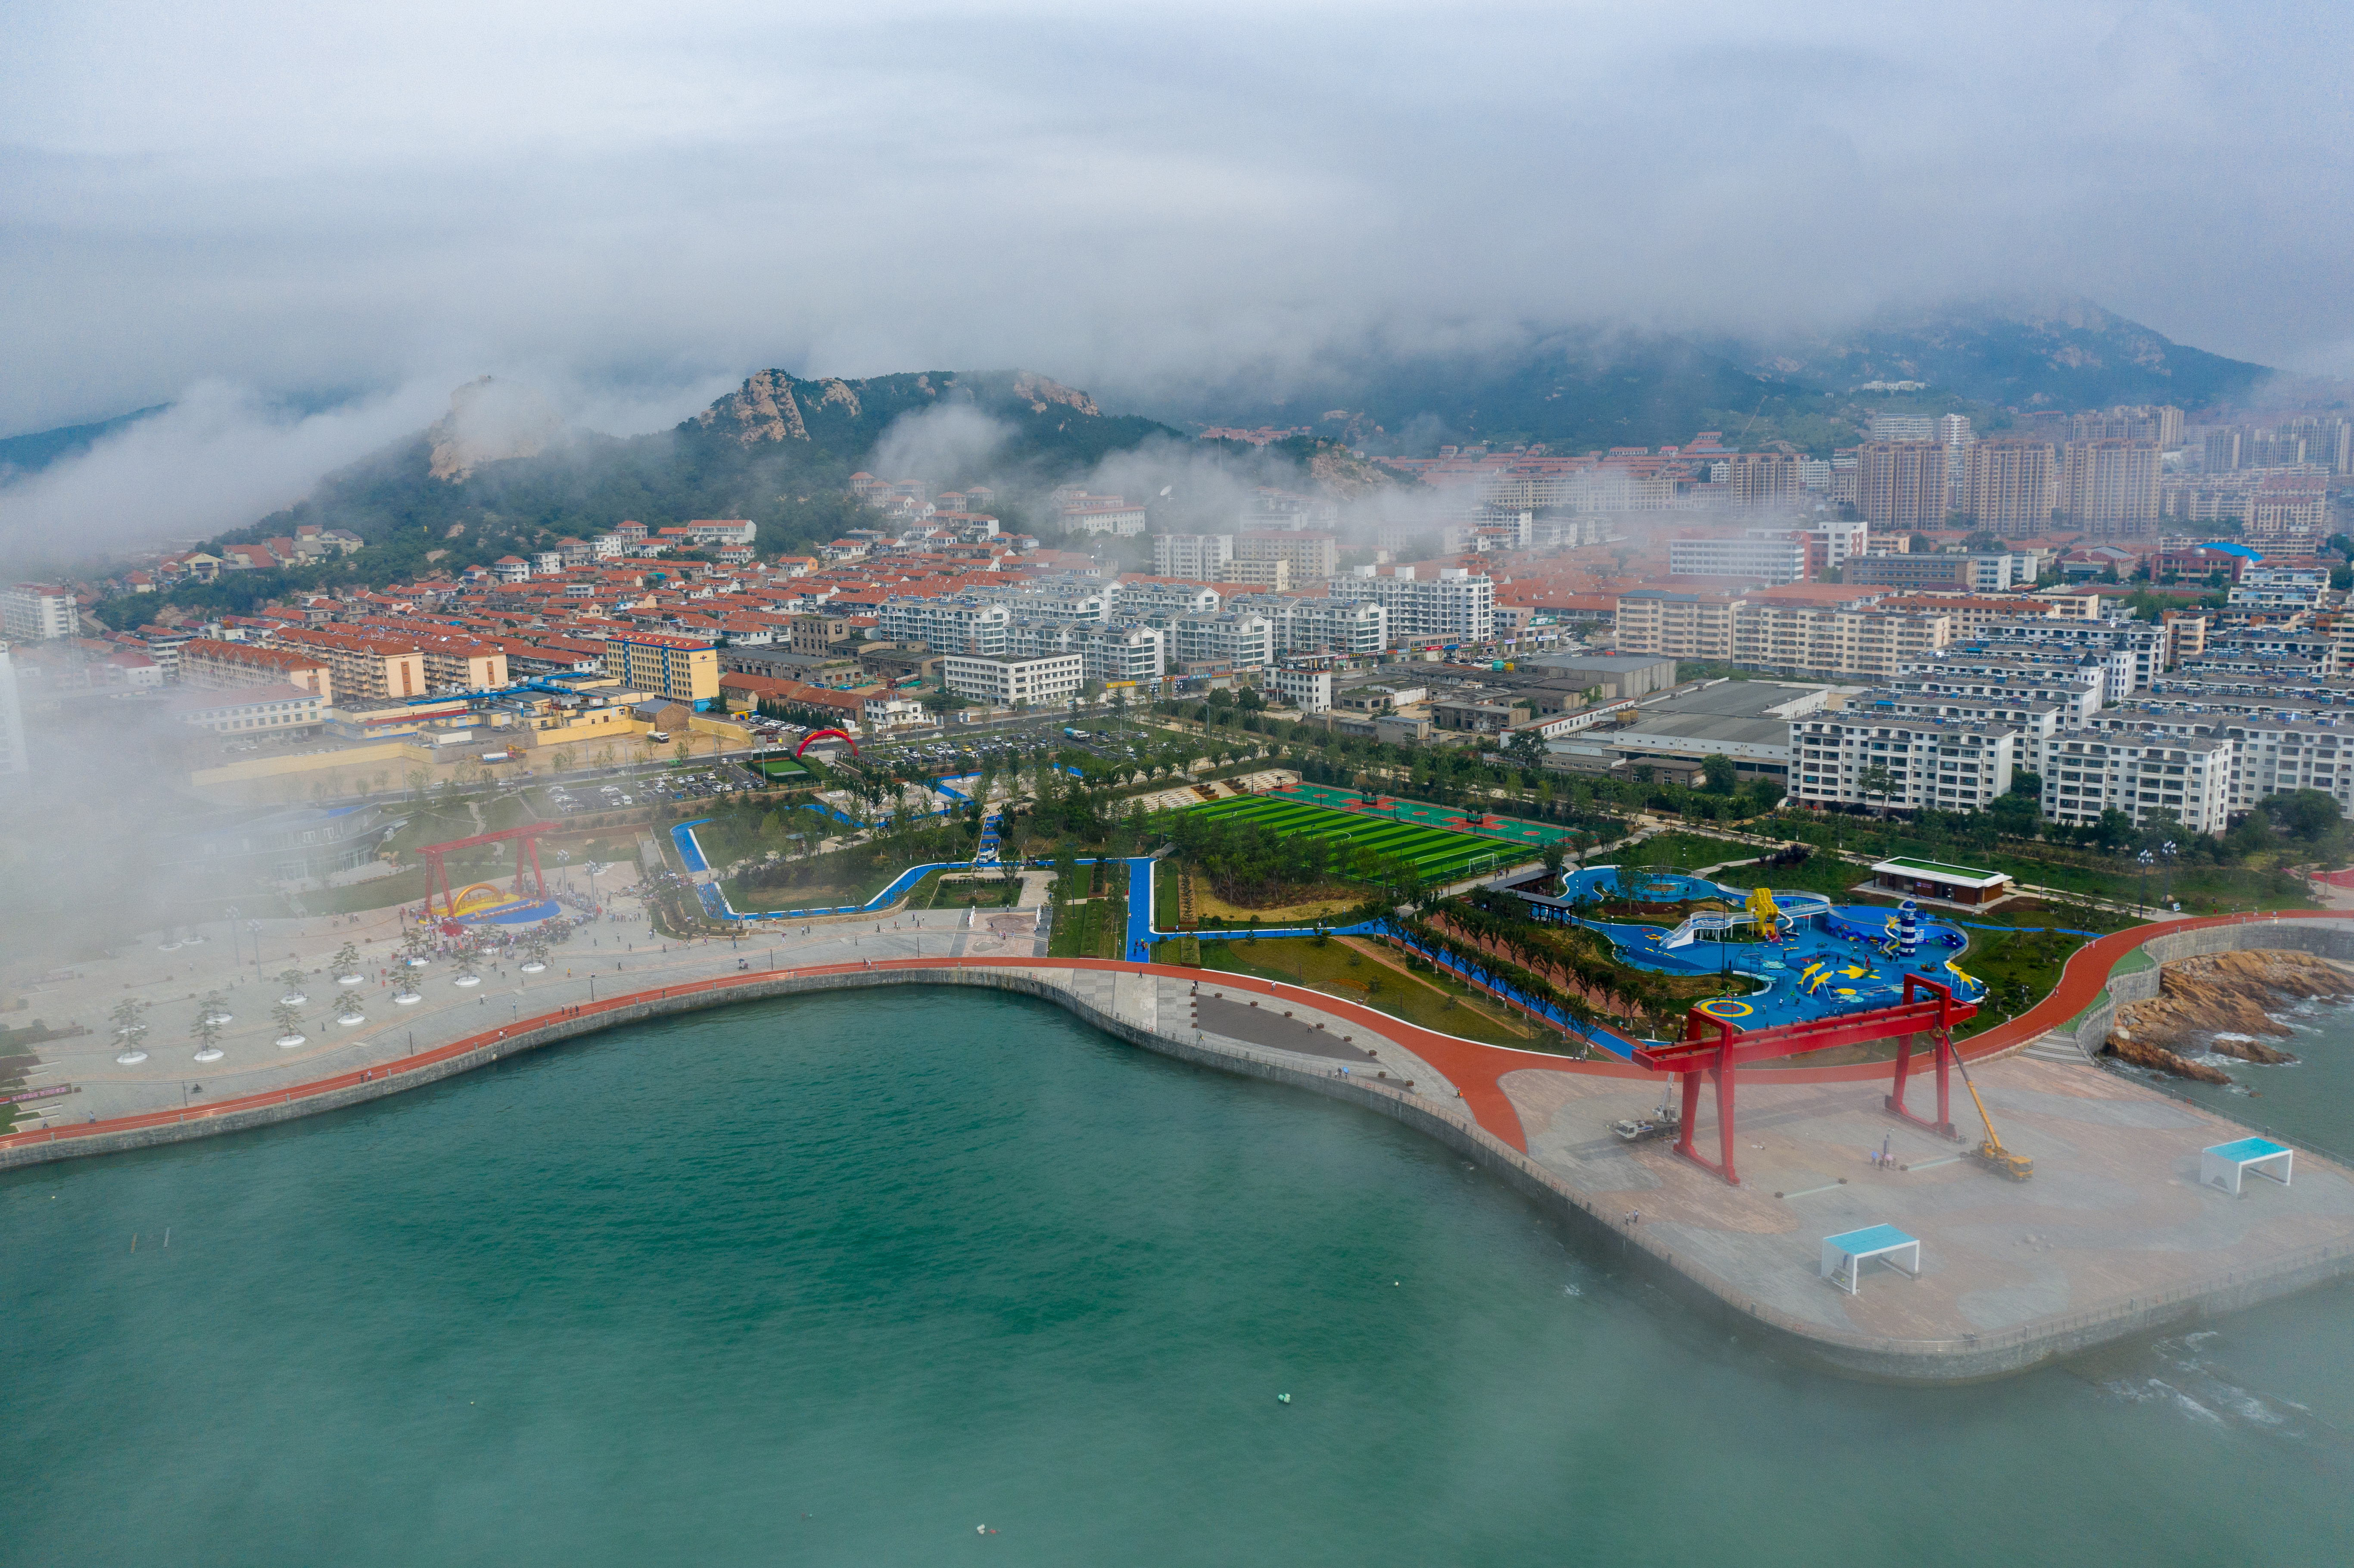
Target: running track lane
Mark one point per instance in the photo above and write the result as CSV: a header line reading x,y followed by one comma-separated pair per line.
x,y
1476,1069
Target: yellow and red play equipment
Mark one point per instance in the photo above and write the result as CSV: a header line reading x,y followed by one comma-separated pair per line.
x,y
817,735
1765,912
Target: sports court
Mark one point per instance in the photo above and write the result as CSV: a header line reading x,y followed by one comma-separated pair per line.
x,y
1439,853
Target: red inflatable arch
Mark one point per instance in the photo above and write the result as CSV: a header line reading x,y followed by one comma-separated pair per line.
x,y
817,735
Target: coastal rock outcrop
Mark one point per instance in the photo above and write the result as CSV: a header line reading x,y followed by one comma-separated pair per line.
x,y
2221,1003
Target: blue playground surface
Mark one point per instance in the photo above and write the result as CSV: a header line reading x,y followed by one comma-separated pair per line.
x,y
1823,959
516,912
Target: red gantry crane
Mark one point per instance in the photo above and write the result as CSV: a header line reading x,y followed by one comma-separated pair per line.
x,y
1713,1047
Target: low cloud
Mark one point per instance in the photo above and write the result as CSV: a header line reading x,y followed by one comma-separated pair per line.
x,y
950,444
612,197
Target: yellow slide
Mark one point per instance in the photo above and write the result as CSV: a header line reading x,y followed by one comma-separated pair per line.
x,y
1763,910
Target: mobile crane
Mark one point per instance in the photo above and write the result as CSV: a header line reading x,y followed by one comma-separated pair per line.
x,y
1991,1154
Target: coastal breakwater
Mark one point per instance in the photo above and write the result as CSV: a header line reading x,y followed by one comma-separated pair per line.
x,y
1729,1251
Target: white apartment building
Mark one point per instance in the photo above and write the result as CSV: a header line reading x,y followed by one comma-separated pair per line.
x,y
1356,626
1767,561
2279,756
957,625
1931,764
1067,596
1150,597
722,531
1236,638
1201,557
32,612
1114,653
2281,587
2147,644
1762,561
1057,678
2140,774
1454,606
1309,690
2077,693
2035,722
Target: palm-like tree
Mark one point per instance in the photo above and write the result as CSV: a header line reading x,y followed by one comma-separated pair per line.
x,y
346,964
289,1020
293,980
130,1022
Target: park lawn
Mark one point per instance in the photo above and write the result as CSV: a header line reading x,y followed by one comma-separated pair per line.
x,y
1088,928
1822,873
1166,898
1438,1002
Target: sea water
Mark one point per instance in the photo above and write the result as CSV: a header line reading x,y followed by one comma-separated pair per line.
x,y
929,1277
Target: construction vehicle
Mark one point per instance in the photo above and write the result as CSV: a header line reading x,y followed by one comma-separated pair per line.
x,y
1665,1122
1991,1154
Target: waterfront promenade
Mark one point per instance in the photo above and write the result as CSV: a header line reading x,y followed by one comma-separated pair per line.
x,y
2114,1234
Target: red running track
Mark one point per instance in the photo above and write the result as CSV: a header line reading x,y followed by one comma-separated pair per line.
x,y
1476,1069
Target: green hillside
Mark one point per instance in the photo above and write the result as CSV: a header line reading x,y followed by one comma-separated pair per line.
x,y
779,451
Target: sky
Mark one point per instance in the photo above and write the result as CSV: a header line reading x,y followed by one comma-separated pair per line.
x,y
272,207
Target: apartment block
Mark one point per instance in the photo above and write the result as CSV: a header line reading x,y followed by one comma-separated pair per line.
x,y
1151,597
960,624
1238,639
2013,486
2140,774
2109,488
1274,577
1347,626
1201,556
1844,759
362,669
1765,478
1454,606
34,613
2075,692
214,666
1964,574
1311,554
1765,561
1677,625
1901,484
1830,640
1057,678
677,669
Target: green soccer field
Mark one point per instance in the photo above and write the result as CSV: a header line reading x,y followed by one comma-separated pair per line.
x,y
1440,854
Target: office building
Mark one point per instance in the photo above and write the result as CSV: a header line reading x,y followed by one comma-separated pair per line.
x,y
1006,683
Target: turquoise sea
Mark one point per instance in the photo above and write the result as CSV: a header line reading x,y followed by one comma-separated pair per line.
x,y
847,1279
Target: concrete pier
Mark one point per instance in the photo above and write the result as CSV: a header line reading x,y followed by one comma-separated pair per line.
x,y
2114,1235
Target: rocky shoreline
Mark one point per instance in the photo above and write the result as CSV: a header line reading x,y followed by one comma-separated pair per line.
x,y
2222,1004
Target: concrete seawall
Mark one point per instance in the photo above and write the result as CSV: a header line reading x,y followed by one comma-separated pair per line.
x,y
1093,992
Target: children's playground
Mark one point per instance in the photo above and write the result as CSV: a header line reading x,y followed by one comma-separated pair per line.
x,y
1815,958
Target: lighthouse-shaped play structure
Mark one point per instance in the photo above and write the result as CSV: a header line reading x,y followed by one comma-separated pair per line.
x,y
1908,929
